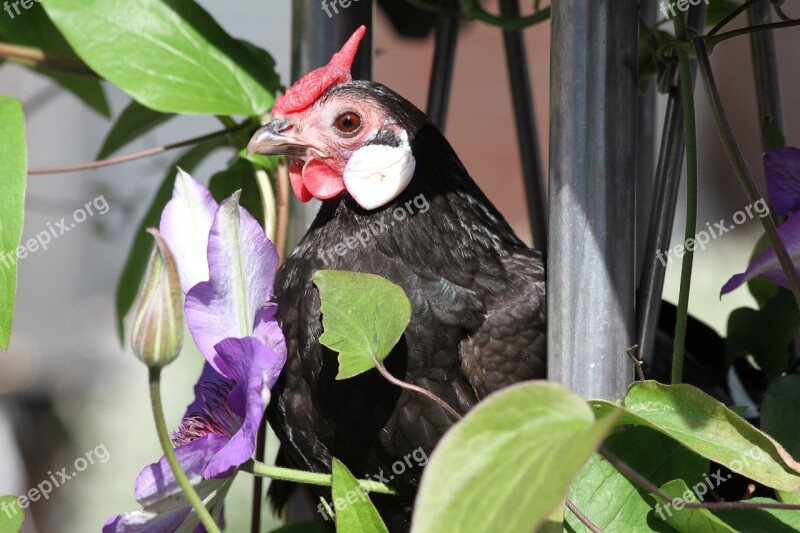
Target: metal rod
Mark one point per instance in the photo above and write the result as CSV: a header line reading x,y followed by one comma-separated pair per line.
x,y
593,98
768,92
645,151
444,59
665,197
765,67
316,36
527,135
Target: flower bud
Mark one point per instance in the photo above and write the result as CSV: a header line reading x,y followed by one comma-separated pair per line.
x,y
157,332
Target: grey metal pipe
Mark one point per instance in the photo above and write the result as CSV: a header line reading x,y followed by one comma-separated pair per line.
x,y
444,58
668,174
645,151
593,98
527,136
318,33
765,65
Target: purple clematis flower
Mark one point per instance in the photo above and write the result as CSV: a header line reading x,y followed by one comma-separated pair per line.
x,y
226,267
782,170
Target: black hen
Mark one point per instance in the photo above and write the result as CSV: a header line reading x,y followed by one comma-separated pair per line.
x,y
477,292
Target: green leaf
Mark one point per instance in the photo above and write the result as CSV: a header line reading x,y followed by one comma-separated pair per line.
x,y
764,333
740,324
37,30
507,465
142,246
625,506
354,510
761,520
240,177
13,171
134,121
780,418
364,316
717,10
708,428
773,330
11,520
169,55
688,520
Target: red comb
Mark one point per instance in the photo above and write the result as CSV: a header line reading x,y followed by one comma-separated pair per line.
x,y
307,89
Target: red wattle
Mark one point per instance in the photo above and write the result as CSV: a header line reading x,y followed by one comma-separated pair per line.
x,y
296,178
321,180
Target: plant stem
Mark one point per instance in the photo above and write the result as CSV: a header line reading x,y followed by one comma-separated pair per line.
x,y
414,388
690,134
308,478
732,15
36,57
138,155
626,470
582,517
258,481
740,167
716,39
172,459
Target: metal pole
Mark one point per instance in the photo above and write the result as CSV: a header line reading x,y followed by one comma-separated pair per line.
x,y
665,196
645,151
444,59
317,34
765,65
525,116
593,98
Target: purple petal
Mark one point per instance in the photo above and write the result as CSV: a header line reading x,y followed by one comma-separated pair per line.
x,y
242,265
185,224
766,264
782,170
156,488
144,522
254,367
268,331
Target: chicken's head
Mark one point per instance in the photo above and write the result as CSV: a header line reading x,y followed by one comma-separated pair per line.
x,y
339,135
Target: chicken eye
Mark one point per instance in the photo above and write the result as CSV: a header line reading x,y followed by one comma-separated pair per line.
x,y
348,122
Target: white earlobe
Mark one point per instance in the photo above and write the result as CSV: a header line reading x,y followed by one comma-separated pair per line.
x,y
376,174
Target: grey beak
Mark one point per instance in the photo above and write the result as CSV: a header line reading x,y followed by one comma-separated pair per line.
x,y
276,138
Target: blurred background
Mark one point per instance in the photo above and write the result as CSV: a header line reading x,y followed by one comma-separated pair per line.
x,y
68,385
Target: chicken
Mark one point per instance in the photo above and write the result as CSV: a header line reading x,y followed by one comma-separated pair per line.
x,y
477,292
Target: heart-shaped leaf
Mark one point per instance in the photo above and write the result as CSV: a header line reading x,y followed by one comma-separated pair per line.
x,y
364,316
507,465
